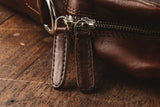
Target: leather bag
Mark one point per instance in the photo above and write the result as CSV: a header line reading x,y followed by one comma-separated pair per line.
x,y
125,33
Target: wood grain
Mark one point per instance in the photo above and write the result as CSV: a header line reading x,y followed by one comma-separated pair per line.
x,y
5,14
25,64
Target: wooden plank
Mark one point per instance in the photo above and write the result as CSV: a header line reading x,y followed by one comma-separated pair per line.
x,y
21,43
21,94
5,14
21,22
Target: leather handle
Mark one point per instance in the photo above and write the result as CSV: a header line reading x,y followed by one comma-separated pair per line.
x,y
60,55
84,61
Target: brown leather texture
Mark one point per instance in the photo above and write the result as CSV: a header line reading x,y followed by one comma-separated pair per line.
x,y
104,9
136,54
120,9
84,61
135,10
26,6
60,56
34,8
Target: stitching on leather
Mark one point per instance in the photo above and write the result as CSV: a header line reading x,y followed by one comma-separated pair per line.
x,y
75,10
89,14
70,9
31,8
64,61
54,50
90,64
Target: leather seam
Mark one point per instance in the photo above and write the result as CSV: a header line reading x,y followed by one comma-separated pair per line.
x,y
79,12
90,63
64,58
90,68
64,61
31,8
54,50
84,13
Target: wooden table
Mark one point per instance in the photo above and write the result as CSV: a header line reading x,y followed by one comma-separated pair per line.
x,y
25,63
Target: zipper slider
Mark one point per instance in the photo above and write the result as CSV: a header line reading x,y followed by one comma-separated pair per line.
x,y
89,22
64,21
85,24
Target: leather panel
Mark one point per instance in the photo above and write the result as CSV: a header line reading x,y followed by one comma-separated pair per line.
x,y
137,54
25,6
135,10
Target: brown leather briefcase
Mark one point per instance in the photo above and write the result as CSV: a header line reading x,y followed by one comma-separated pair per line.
x,y
125,33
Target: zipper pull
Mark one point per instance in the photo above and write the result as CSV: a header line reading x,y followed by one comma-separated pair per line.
x,y
85,24
89,22
83,51
60,52
84,54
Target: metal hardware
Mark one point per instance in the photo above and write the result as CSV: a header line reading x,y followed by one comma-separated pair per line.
x,y
64,21
85,24
51,28
112,25
90,22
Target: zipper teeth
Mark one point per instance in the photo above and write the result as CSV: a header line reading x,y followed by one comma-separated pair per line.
x,y
114,25
125,27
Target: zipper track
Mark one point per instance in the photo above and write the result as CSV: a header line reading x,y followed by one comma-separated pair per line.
x,y
115,25
126,27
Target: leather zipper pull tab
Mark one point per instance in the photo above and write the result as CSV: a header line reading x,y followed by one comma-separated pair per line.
x,y
84,56
84,61
60,56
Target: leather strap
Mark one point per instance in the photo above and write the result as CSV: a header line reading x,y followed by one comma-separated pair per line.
x,y
84,61
60,55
